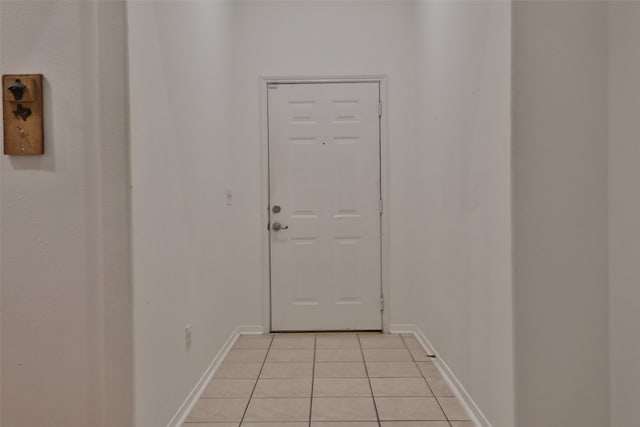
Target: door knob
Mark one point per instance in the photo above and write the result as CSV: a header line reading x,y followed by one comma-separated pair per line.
x,y
276,226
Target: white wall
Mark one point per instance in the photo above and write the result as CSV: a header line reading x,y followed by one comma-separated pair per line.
x,y
458,285
194,66
560,213
624,211
448,175
206,265
322,39
65,290
183,234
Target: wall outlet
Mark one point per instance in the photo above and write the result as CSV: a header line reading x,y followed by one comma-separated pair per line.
x,y
187,337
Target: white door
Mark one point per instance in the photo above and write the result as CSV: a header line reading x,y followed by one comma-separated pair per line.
x,y
324,190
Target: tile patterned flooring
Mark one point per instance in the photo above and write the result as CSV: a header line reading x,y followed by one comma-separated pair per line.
x,y
327,380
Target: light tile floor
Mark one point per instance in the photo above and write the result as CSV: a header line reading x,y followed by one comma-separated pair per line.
x,y
327,380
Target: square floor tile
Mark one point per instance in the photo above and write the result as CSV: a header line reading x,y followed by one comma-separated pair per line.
x,y
293,342
217,410
381,341
272,410
453,409
387,387
462,424
343,409
210,425
246,355
393,369
340,370
409,409
341,387
415,424
290,355
337,341
276,424
343,424
339,355
238,370
428,369
439,387
252,342
229,388
287,370
412,342
387,355
283,387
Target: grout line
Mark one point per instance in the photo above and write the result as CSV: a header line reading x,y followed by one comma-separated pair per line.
x,y
326,397
281,423
256,384
313,376
366,370
315,349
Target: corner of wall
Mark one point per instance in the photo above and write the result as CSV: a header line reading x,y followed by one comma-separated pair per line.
x,y
183,412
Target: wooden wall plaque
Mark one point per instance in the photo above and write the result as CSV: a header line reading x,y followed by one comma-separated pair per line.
x,y
22,114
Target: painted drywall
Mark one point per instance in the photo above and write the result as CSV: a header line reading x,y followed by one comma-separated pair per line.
x,y
65,289
560,213
194,70
180,94
318,39
182,231
115,213
457,289
624,211
322,39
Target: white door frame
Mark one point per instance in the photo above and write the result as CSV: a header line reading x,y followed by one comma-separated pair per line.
x,y
264,173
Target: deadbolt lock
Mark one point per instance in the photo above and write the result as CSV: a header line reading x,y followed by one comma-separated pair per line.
x,y
276,209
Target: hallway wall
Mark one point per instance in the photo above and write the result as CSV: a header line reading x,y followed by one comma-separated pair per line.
x,y
195,129
65,290
560,213
317,38
180,73
458,287
66,299
331,39
624,211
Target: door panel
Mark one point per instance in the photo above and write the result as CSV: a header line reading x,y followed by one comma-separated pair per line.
x,y
324,173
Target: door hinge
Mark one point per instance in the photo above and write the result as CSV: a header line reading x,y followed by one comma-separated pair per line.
x,y
381,206
379,108
381,303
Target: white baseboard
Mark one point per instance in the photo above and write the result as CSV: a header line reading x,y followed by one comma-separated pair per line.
x,y
476,415
184,410
250,330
